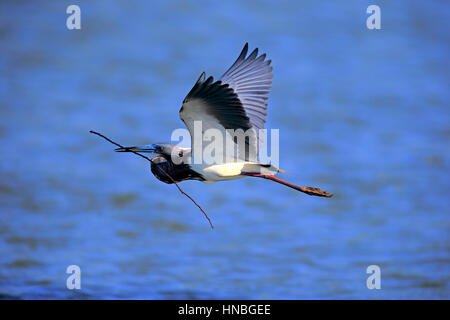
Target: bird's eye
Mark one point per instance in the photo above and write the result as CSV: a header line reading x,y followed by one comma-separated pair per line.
x,y
180,154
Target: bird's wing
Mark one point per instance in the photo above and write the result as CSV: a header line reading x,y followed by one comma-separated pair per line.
x,y
238,101
215,105
251,78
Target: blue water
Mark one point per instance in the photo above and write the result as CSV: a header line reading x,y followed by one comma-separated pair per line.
x,y
362,113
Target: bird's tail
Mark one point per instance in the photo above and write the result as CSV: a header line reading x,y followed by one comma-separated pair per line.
x,y
308,190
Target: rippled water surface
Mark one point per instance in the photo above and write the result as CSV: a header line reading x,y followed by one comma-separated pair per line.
x,y
363,114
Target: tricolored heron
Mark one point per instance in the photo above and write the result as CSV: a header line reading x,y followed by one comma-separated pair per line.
x,y
238,101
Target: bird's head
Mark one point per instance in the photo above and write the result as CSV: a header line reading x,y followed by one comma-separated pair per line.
x,y
177,154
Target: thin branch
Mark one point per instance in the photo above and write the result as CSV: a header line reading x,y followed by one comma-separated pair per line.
x,y
162,170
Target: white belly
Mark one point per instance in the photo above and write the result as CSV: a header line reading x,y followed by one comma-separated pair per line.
x,y
220,172
226,171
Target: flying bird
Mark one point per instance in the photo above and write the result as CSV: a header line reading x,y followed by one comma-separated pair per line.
x,y
238,101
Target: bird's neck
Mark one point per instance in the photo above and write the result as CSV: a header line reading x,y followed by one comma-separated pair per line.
x,y
177,172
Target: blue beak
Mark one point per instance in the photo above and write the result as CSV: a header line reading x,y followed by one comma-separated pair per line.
x,y
151,148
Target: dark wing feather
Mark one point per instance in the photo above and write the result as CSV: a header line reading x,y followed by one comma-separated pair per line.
x,y
237,101
221,102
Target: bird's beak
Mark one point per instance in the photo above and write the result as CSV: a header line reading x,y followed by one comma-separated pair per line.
x,y
151,148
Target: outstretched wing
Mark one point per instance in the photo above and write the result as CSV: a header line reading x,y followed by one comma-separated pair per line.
x,y
251,79
238,101
214,105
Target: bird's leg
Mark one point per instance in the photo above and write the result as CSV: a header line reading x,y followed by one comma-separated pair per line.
x,y
308,190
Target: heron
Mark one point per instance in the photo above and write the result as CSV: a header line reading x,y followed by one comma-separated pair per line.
x,y
238,102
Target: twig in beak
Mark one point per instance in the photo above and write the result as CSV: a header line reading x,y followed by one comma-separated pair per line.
x,y
162,170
